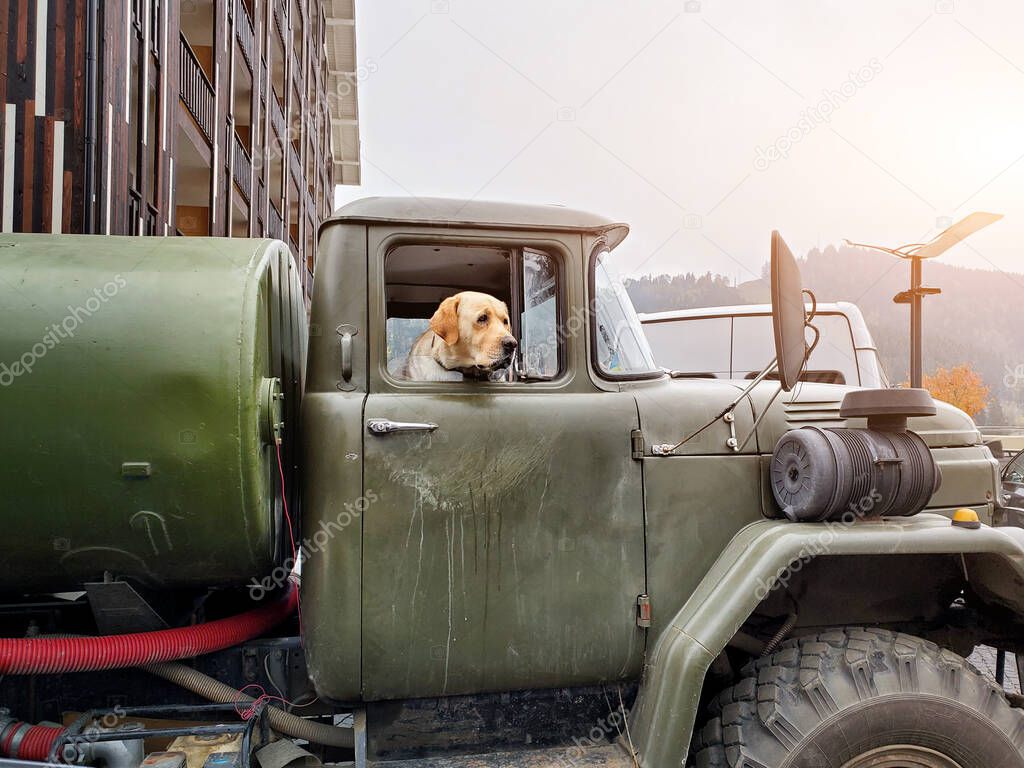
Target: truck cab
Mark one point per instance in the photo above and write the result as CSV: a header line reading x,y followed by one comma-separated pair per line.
x,y
518,502
520,532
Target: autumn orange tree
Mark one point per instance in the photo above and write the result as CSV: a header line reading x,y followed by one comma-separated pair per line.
x,y
961,386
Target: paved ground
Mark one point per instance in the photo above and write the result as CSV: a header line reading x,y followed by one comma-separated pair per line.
x,y
984,658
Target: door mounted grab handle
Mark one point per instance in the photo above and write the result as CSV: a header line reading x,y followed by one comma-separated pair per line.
x,y
346,332
386,426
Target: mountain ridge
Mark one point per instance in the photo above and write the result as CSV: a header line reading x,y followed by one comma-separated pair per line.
x,y
972,321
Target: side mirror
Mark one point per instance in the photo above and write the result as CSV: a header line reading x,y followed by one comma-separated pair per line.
x,y
788,315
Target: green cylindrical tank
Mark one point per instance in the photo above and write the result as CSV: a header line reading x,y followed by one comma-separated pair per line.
x,y
142,382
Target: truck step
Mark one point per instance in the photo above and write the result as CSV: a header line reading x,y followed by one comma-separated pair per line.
x,y
603,756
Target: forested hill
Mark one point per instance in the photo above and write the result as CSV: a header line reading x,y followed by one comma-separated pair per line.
x,y
975,320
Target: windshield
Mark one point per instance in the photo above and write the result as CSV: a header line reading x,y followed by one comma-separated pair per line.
x,y
1014,472
622,348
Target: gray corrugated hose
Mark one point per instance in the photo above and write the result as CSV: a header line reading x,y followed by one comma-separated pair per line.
x,y
216,691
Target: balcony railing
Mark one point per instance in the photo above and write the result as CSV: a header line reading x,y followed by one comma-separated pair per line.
x,y
279,23
297,73
196,90
275,225
152,220
245,34
134,211
277,118
154,28
294,166
241,164
260,190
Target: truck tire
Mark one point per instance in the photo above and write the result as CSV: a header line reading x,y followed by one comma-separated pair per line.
x,y
860,698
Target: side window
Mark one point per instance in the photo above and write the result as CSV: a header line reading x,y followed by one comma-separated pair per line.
x,y
539,356
833,361
465,313
697,347
753,345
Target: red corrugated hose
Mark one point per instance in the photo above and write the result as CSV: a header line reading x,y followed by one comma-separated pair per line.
x,y
53,655
22,741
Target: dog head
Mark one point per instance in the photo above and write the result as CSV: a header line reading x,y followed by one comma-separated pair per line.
x,y
476,333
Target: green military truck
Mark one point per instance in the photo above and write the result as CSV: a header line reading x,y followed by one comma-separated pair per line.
x,y
578,560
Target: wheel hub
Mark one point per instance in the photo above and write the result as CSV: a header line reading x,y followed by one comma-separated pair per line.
x,y
902,756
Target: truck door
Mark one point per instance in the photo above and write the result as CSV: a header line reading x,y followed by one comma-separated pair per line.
x,y
505,549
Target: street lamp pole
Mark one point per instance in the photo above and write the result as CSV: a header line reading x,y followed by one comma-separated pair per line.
x,y
916,344
916,253
914,297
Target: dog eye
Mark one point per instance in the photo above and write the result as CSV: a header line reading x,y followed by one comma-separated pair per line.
x,y
482,319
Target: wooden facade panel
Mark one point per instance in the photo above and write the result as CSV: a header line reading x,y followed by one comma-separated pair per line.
x,y
26,11
5,28
45,170
52,149
29,187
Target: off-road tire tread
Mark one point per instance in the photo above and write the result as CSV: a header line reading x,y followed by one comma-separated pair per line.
x,y
780,698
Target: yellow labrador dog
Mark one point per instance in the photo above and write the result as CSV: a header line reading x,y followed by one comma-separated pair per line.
x,y
469,335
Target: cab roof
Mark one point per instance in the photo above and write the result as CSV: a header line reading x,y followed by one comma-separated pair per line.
x,y
448,212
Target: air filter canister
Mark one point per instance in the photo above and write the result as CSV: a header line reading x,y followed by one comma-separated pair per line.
x,y
841,473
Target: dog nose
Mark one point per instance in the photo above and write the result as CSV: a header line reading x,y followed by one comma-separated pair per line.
x,y
509,344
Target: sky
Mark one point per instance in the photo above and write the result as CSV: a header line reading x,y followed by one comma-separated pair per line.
x,y
706,124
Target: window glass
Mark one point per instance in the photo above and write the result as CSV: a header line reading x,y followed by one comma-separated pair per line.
x,y
622,348
692,346
753,344
539,321
1014,471
833,361
835,350
402,333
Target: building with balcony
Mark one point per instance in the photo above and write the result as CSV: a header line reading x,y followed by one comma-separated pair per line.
x,y
230,118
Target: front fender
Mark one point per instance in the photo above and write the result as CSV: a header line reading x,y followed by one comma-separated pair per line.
x,y
663,718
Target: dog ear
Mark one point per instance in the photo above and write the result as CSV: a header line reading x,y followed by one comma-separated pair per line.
x,y
445,322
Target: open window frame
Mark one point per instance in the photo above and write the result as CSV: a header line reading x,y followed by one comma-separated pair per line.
x,y
516,247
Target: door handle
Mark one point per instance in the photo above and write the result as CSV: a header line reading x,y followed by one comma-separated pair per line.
x,y
386,426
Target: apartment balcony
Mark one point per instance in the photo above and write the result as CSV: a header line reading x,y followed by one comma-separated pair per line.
x,y
196,90
241,168
245,34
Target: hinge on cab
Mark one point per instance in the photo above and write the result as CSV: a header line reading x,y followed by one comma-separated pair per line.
x,y
636,439
643,610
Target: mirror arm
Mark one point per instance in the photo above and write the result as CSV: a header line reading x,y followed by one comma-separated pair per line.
x,y
757,421
664,449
